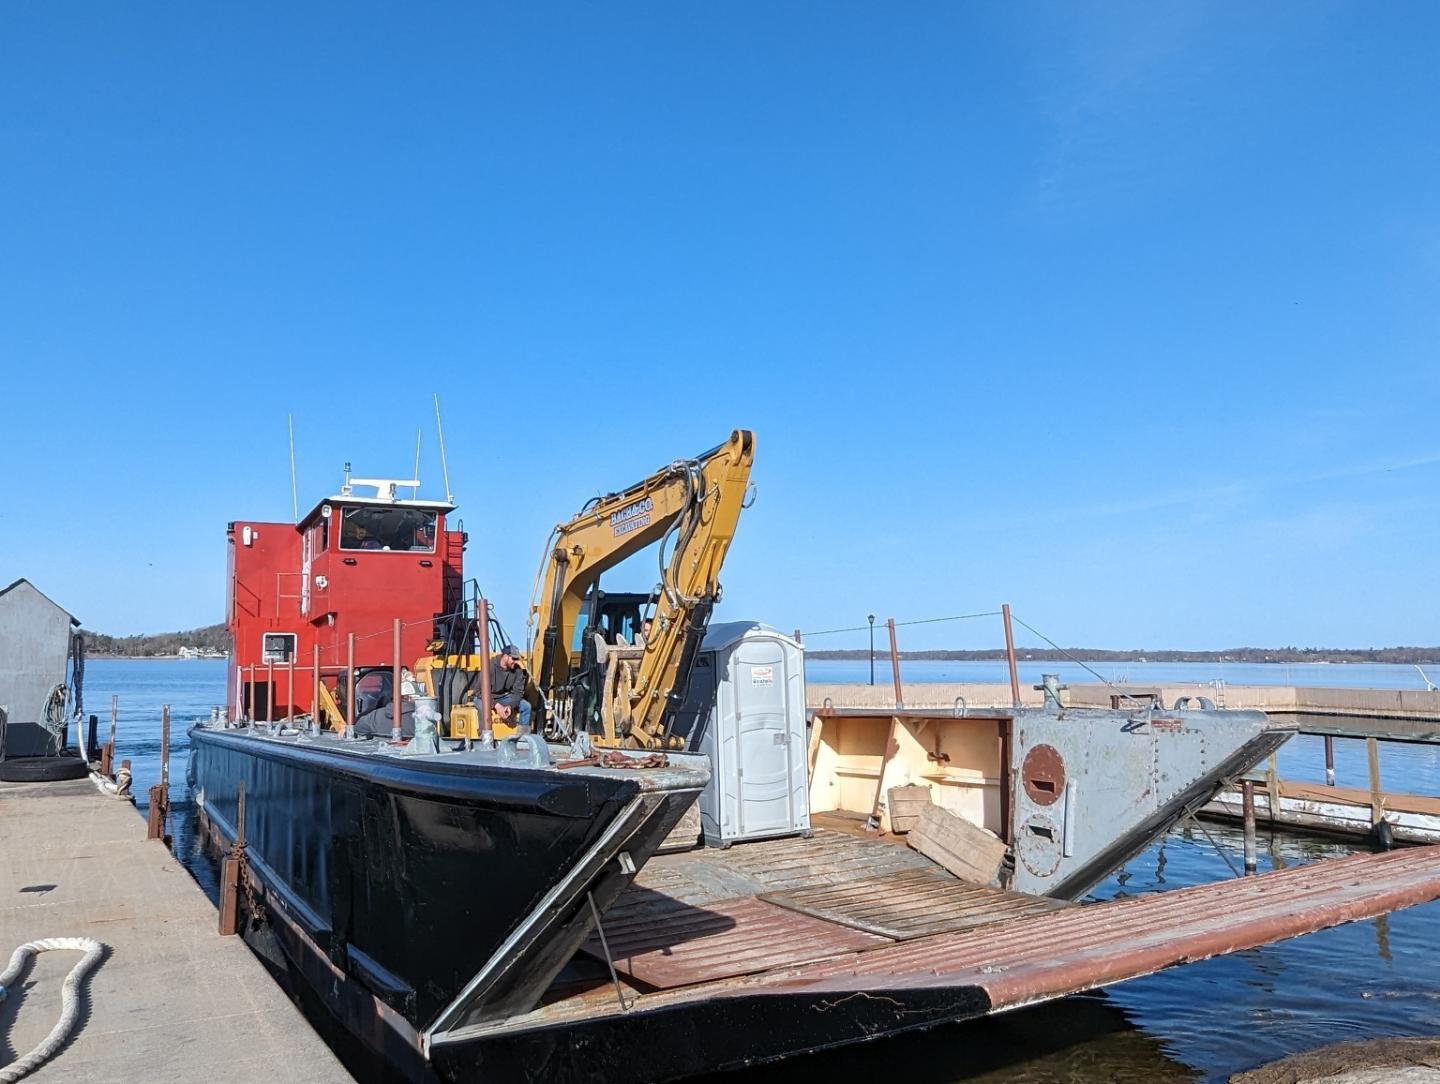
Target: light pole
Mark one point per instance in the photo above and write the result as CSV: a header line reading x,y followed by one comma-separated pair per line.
x,y
872,648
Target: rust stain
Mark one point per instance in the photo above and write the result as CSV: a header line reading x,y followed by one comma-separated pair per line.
x,y
664,943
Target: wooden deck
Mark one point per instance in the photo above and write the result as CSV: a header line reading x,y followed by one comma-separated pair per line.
x,y
714,914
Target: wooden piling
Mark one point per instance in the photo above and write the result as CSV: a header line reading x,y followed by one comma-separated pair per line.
x,y
1247,799
1010,657
1330,759
1377,796
158,813
107,755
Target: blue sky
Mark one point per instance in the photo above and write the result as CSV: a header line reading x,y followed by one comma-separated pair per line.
x,y
1126,314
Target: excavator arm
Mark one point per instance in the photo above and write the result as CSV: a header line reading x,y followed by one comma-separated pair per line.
x,y
691,507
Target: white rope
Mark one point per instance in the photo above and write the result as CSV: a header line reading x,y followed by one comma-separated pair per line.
x,y
69,997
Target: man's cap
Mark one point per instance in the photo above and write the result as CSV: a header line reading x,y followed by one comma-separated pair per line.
x,y
511,650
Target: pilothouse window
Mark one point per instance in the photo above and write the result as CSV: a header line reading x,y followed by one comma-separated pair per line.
x,y
409,529
277,647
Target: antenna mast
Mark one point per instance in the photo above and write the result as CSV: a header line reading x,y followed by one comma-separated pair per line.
x,y
415,489
444,465
294,493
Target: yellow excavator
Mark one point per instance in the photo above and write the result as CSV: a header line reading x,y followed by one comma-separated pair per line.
x,y
625,689
592,667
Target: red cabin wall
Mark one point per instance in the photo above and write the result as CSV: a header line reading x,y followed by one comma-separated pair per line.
x,y
363,593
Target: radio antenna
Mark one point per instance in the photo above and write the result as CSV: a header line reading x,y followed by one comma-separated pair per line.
x,y
444,465
294,493
415,489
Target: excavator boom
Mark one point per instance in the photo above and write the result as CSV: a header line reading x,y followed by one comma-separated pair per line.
x,y
691,507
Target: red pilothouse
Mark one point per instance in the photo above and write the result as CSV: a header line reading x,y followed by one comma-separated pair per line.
x,y
354,565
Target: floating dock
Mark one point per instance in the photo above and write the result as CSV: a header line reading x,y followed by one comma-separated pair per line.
x,y
172,1000
1413,714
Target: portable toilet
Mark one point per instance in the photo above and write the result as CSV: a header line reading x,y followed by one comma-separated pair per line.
x,y
745,710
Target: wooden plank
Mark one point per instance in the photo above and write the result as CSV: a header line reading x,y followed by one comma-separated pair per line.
x,y
904,804
1391,803
969,852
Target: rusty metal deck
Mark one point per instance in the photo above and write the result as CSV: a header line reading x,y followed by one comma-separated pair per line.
x,y
665,943
911,903
1035,958
776,866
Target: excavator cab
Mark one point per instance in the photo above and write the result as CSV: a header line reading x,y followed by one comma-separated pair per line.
x,y
607,633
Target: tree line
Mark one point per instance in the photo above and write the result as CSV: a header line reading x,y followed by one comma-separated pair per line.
x,y
209,638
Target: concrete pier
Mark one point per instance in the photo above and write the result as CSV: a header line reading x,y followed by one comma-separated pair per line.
x,y
1403,706
173,1000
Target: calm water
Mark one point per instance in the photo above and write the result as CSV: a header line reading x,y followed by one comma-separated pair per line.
x,y
1200,1022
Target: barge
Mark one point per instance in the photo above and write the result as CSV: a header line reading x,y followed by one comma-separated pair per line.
x,y
473,898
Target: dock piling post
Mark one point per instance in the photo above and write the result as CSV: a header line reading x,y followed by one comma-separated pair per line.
x,y
107,755
1010,657
232,871
1247,802
1377,797
895,665
1272,788
160,792
290,691
1330,759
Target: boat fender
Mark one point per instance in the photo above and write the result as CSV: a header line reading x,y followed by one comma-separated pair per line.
x,y
1383,836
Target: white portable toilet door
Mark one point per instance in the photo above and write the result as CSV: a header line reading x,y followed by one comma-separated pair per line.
x,y
764,756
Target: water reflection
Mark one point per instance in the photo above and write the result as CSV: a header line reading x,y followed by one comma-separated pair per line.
x,y
1084,1038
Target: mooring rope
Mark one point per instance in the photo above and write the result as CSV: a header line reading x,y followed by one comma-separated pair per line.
x,y
69,997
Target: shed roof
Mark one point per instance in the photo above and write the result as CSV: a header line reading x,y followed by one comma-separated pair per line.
x,y
3,592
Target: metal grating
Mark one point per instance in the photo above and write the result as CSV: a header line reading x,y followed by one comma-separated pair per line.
x,y
912,903
665,943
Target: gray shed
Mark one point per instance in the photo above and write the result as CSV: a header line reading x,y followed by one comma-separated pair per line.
x,y
34,647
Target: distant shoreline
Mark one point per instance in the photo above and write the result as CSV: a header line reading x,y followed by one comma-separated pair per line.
x,y
1389,656
161,658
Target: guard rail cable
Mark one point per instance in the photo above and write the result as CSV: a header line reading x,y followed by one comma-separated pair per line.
x,y
69,997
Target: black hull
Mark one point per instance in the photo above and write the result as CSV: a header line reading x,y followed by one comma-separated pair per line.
x,y
415,894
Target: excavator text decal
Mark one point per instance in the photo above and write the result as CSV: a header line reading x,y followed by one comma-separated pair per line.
x,y
632,517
